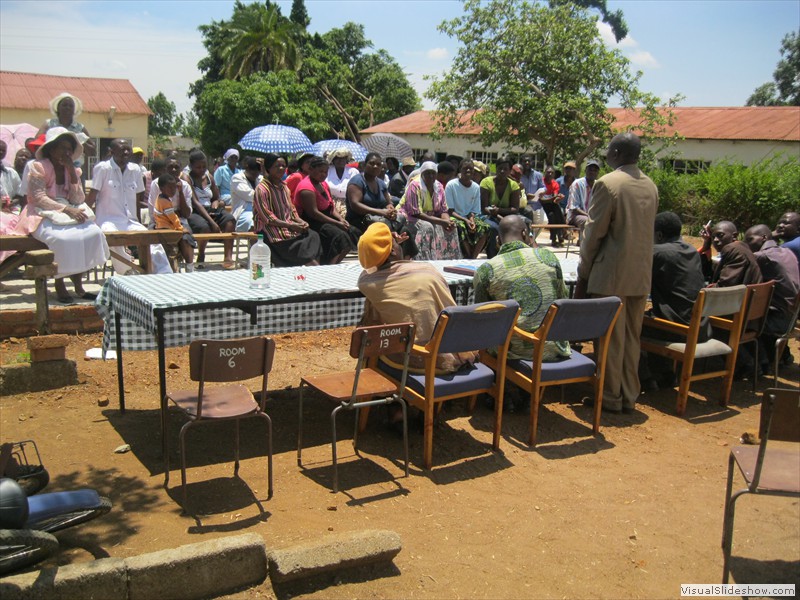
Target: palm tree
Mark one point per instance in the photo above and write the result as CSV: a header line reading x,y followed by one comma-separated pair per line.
x,y
259,38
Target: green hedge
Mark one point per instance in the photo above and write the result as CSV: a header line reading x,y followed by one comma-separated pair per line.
x,y
745,195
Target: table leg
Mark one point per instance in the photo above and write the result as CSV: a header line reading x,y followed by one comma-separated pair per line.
x,y
120,369
162,381
145,261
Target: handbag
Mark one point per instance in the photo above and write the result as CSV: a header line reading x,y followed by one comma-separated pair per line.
x,y
58,217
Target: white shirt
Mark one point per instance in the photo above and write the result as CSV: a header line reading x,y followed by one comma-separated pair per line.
x,y
242,193
9,182
116,191
176,200
339,186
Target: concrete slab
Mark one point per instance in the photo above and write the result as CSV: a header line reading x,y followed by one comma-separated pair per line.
x,y
333,553
104,579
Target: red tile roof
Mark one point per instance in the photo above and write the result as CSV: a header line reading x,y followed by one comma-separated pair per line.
x,y
34,91
725,123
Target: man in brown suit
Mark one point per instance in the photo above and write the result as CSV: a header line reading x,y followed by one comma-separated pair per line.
x,y
616,260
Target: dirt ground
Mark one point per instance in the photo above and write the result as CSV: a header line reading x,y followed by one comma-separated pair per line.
x,y
634,512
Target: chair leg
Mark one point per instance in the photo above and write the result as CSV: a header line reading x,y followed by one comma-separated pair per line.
x,y
533,425
727,523
755,366
405,432
473,400
164,428
427,441
269,453
355,430
333,449
727,380
780,344
236,457
363,418
598,405
182,437
300,429
683,388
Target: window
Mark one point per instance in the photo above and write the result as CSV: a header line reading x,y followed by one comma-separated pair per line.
x,y
418,152
690,167
487,158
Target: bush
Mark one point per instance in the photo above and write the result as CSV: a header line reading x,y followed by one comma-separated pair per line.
x,y
745,195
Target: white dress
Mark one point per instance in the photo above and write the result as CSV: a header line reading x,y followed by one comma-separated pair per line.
x,y
77,248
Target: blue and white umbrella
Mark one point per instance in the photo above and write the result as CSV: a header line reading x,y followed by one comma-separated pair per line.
x,y
357,150
276,138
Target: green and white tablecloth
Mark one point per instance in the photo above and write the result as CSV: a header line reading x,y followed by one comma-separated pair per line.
x,y
198,305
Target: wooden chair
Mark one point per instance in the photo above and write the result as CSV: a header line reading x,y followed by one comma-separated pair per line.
x,y
223,361
766,471
712,303
792,333
354,390
569,321
477,327
759,297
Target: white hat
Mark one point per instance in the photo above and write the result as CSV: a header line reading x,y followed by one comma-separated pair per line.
x,y
428,165
55,133
55,102
231,152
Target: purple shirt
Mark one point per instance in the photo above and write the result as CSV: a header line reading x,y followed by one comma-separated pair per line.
x,y
779,264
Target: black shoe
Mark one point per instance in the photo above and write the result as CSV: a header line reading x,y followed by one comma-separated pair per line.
x,y
589,403
650,385
628,410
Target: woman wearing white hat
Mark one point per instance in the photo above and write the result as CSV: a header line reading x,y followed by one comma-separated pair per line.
x,y
57,215
64,108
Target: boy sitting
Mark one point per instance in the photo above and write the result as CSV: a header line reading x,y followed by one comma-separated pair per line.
x,y
166,216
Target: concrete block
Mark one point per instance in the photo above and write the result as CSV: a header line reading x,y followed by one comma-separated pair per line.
x,y
36,271
203,570
45,354
333,553
41,342
37,377
100,579
39,257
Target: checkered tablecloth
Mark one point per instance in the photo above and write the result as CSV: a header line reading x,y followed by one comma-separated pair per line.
x,y
194,304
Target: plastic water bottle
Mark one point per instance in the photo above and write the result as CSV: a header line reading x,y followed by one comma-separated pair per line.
x,y
260,259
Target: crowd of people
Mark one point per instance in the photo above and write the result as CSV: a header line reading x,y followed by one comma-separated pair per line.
x,y
315,210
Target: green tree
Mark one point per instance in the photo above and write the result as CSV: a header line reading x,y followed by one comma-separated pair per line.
x,y
162,120
299,14
361,87
259,38
230,108
525,79
785,91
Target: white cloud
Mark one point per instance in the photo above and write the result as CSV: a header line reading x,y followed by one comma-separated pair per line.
x,y
643,58
628,46
437,54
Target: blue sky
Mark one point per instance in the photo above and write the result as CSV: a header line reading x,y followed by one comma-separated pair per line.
x,y
713,52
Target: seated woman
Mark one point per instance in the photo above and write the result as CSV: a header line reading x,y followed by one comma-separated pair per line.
x,y
463,197
315,204
243,189
424,206
56,214
499,197
338,176
289,238
208,211
550,199
64,108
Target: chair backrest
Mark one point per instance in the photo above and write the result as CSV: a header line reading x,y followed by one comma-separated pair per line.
x,y
794,317
721,302
585,319
759,297
230,360
377,340
780,415
477,326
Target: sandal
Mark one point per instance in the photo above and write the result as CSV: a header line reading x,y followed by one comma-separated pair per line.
x,y
229,265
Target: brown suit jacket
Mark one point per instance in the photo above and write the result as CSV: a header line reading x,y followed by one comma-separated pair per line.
x,y
617,246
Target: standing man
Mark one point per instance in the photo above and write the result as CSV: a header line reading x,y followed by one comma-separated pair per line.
x,y
616,260
114,194
788,230
565,182
580,196
531,182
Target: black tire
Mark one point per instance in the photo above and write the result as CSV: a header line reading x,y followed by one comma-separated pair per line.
x,y
32,478
22,547
75,517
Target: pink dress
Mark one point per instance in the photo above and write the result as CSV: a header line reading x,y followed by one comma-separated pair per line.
x,y
78,247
